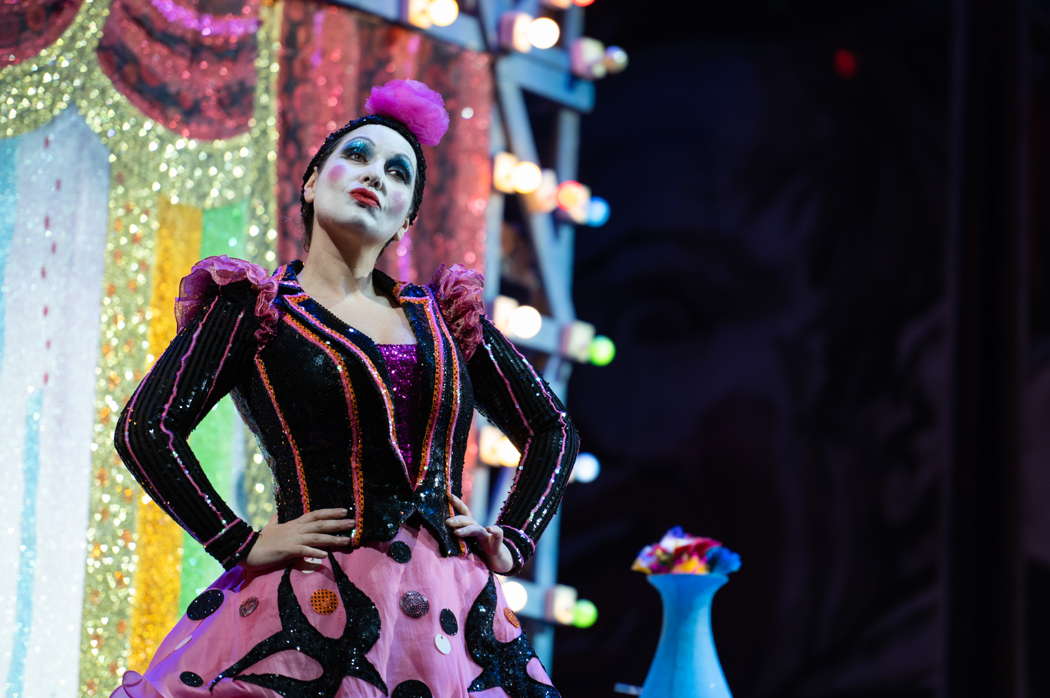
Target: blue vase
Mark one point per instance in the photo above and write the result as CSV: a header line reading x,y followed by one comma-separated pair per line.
x,y
686,664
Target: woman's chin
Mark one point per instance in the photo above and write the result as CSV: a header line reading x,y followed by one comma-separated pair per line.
x,y
360,228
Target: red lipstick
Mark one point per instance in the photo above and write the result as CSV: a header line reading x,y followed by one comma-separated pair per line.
x,y
365,196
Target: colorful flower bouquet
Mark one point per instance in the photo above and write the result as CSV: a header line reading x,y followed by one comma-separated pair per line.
x,y
681,553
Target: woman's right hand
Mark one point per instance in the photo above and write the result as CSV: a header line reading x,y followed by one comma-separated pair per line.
x,y
297,542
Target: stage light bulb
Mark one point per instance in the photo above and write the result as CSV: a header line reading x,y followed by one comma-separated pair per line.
x,y
587,56
514,31
443,12
527,177
502,308
571,194
615,59
525,321
419,13
507,453
597,211
576,340
845,63
573,199
503,172
586,468
544,32
602,351
561,603
585,614
515,594
545,198
494,448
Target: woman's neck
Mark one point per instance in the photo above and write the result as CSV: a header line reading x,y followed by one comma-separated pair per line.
x,y
342,271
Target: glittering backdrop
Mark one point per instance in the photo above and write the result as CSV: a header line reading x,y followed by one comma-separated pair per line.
x,y
28,27
52,251
137,136
172,180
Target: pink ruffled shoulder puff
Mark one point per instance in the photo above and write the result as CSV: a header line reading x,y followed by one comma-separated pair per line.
x,y
212,273
460,293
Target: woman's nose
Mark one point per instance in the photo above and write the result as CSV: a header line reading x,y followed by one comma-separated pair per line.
x,y
373,175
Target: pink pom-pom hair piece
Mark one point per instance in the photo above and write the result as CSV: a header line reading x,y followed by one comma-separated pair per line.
x,y
414,104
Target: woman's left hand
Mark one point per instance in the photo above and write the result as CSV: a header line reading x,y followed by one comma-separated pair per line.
x,y
494,550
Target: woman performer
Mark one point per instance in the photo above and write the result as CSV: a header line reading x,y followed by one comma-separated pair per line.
x,y
373,578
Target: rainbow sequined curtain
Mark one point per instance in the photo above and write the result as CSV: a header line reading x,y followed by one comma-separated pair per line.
x,y
137,136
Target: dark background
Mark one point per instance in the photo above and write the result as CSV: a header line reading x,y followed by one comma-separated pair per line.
x,y
777,276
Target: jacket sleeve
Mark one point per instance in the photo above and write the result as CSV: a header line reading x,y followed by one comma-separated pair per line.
x,y
512,395
208,356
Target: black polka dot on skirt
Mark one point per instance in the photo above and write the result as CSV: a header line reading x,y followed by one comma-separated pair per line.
x,y
412,689
448,621
205,604
399,552
191,679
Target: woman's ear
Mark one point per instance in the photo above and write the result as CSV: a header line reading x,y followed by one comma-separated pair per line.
x,y
402,230
308,188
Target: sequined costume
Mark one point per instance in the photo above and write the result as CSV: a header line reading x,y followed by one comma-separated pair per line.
x,y
407,609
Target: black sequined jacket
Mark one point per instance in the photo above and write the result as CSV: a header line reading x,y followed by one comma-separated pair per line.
x,y
316,394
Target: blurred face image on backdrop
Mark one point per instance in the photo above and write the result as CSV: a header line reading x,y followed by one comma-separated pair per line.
x,y
363,193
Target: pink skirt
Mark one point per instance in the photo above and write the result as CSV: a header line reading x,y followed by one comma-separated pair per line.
x,y
388,619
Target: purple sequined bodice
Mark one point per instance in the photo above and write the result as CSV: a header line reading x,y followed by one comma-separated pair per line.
x,y
403,365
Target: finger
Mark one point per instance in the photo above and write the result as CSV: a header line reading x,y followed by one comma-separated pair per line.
x,y
459,505
307,551
318,514
494,540
334,513
323,539
471,530
329,525
459,521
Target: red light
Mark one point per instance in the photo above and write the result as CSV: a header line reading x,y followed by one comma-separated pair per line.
x,y
845,63
571,194
583,3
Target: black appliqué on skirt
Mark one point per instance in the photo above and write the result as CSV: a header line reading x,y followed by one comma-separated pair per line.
x,y
503,662
339,657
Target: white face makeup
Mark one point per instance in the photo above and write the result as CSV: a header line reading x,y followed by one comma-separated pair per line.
x,y
365,185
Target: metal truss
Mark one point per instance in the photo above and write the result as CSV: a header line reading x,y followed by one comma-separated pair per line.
x,y
545,73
